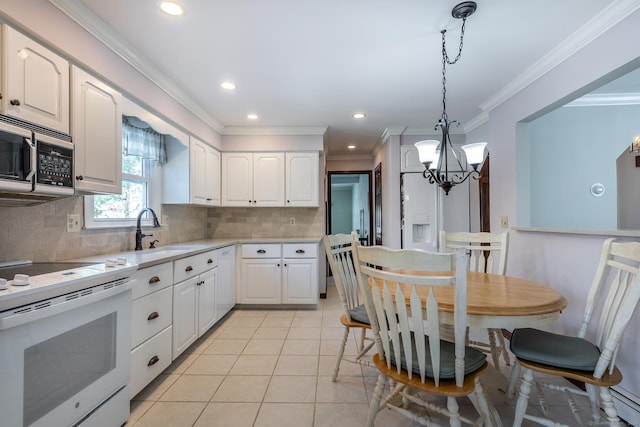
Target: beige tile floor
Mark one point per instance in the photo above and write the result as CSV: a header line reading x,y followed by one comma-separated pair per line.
x,y
272,368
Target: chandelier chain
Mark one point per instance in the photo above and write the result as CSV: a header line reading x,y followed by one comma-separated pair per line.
x,y
445,61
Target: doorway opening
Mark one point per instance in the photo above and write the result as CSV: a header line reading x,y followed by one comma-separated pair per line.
x,y
349,204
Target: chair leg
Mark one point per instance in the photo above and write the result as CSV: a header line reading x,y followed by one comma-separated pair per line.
x,y
363,334
592,392
454,412
481,402
523,397
515,373
503,347
609,407
374,407
340,353
495,354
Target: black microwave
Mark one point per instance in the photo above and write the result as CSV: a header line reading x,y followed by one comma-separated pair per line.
x,y
33,165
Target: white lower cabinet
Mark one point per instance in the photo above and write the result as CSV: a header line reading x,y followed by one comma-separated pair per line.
x,y
299,281
279,274
173,304
149,360
151,322
194,299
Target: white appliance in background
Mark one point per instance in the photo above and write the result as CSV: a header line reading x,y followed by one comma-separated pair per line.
x,y
420,218
65,333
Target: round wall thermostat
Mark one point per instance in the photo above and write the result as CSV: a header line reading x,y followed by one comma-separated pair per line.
x,y
597,189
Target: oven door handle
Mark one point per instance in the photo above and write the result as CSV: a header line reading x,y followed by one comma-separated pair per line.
x,y
19,319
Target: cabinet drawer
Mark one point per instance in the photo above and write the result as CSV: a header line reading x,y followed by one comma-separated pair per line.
x,y
300,250
150,315
208,260
152,279
186,268
256,250
191,266
149,360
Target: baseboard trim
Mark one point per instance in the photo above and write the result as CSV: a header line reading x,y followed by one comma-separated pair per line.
x,y
627,404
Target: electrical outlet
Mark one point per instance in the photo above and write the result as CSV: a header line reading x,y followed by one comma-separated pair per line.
x,y
504,221
73,223
165,220
292,221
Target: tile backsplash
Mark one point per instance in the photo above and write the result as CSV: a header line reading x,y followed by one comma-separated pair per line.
x,y
39,232
229,223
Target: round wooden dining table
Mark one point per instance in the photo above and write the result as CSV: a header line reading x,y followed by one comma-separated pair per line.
x,y
497,301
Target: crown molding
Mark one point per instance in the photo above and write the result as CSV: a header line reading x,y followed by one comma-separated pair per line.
x,y
83,16
347,157
613,14
477,121
605,99
292,130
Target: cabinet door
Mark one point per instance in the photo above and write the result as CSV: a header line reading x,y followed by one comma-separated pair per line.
x,y
300,281
212,176
225,285
37,82
97,135
268,179
237,179
261,281
302,181
185,315
207,300
198,170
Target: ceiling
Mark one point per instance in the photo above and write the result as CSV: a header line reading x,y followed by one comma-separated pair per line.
x,y
311,65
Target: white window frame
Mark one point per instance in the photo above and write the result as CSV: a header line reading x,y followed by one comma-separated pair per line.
x,y
153,178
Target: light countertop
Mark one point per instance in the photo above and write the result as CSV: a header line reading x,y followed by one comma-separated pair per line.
x,y
150,257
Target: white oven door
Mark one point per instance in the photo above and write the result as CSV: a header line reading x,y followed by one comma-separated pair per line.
x,y
58,366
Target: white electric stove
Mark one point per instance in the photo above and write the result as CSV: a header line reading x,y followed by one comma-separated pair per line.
x,y
65,334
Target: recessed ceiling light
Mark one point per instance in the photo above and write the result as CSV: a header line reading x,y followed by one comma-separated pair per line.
x,y
228,85
351,147
171,8
359,115
252,116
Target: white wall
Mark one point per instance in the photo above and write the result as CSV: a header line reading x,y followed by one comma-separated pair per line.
x,y
564,261
389,157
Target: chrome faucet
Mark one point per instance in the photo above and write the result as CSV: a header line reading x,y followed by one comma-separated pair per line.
x,y
139,234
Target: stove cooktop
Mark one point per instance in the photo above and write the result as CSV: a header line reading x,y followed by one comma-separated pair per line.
x,y
25,282
35,269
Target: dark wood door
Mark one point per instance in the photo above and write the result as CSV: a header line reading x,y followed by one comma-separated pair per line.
x,y
377,188
485,211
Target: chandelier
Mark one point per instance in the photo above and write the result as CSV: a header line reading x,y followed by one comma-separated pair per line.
x,y
443,165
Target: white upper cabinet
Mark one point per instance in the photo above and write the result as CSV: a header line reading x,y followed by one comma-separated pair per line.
x,y
35,84
192,173
205,174
252,179
302,188
237,179
268,179
96,131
